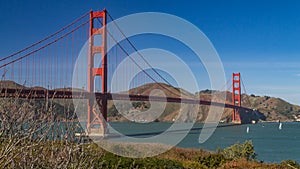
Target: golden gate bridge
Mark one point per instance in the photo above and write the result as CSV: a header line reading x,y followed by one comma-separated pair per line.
x,y
46,67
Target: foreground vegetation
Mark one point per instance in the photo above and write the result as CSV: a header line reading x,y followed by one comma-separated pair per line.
x,y
63,154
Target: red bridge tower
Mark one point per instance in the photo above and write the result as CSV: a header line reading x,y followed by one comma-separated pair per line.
x,y
236,97
96,125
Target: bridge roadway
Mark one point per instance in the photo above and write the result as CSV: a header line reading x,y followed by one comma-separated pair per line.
x,y
68,94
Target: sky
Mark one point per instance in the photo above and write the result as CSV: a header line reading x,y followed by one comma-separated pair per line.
x,y
258,38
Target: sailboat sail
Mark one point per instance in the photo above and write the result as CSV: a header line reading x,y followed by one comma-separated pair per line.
x,y
280,126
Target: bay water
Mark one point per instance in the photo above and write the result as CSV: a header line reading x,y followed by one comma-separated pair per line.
x,y
271,143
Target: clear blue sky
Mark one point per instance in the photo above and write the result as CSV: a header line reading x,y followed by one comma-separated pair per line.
x,y
259,38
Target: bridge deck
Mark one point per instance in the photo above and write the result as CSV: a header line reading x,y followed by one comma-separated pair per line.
x,y
68,94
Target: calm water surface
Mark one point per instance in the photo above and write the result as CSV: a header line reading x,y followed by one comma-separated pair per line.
x,y
270,143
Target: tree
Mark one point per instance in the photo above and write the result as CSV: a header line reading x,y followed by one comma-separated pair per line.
x,y
238,151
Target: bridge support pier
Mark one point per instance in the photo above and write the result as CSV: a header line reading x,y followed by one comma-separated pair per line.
x,y
236,97
96,122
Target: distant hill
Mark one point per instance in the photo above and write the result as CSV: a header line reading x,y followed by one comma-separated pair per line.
x,y
8,84
273,108
138,110
61,108
11,84
267,108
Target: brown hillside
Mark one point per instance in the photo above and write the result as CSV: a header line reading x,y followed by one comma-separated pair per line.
x,y
168,90
267,108
10,85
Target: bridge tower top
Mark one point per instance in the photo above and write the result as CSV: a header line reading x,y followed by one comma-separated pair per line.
x,y
93,50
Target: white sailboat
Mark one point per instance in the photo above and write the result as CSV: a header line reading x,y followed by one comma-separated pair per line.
x,y
280,126
248,129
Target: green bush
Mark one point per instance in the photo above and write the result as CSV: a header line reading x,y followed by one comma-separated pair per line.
x,y
212,160
194,165
238,151
110,160
290,163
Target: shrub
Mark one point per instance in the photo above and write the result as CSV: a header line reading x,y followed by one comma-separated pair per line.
x,y
113,161
194,165
212,160
238,151
290,163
